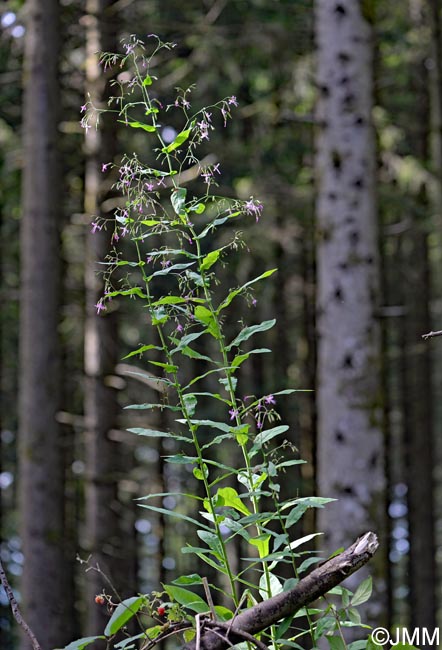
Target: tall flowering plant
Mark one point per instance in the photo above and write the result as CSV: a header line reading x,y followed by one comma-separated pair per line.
x,y
171,272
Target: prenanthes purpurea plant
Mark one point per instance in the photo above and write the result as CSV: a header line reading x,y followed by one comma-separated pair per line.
x,y
172,272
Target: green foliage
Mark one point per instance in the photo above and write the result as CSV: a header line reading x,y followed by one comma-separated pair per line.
x,y
165,223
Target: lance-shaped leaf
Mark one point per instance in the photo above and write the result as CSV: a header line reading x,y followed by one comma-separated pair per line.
x,y
123,613
179,140
178,199
247,332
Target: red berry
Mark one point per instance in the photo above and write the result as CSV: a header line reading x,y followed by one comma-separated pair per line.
x,y
100,599
161,611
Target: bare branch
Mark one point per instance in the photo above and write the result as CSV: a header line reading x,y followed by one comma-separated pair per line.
x,y
316,584
431,334
16,609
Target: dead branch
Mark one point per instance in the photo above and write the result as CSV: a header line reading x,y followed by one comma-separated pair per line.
x,y
431,334
16,609
316,584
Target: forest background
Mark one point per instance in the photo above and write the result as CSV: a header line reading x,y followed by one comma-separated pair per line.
x,y
69,471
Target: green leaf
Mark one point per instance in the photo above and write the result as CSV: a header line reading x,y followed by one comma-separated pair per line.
x,y
147,81
231,499
186,598
198,208
79,644
335,643
159,316
169,300
231,381
134,291
167,367
295,515
354,616
139,125
240,358
324,625
205,316
190,403
140,350
179,140
283,626
289,463
314,502
152,433
153,632
174,267
303,540
178,199
223,613
123,613
212,542
181,459
267,591
247,332
188,338
189,635
235,292
222,426
210,260
262,544
264,436
173,513
192,579
193,354
147,406
362,593
201,474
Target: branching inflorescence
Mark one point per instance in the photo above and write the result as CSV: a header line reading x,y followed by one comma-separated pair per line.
x,y
171,272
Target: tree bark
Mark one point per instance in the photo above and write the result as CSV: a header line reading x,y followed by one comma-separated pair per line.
x,y
111,548
40,446
350,441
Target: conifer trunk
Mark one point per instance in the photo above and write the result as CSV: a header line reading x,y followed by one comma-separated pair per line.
x,y
350,442
109,547
45,600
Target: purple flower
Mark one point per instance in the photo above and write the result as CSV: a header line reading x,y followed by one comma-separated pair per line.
x,y
124,231
233,101
254,302
95,226
160,182
149,259
104,167
166,263
253,208
99,306
233,413
115,236
259,424
179,328
83,108
269,399
150,187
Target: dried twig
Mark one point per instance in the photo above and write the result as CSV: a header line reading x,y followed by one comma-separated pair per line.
x,y
316,584
16,609
431,334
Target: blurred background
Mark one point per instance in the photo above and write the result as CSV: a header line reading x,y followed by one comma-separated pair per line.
x,y
69,471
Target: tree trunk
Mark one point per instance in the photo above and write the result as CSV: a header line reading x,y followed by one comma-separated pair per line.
x,y
350,441
105,517
40,452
